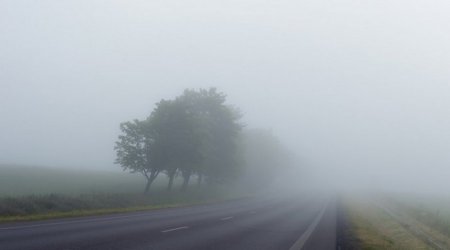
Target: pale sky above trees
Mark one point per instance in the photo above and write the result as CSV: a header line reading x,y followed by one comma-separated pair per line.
x,y
359,88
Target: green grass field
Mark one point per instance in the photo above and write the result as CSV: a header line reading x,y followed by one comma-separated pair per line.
x,y
33,207
27,180
371,228
417,221
431,210
32,193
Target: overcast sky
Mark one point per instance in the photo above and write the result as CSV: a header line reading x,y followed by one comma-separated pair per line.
x,y
358,87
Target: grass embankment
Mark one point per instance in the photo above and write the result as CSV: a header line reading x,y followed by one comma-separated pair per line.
x,y
369,227
430,210
38,207
34,193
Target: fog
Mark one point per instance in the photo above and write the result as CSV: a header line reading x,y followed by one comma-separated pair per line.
x,y
359,90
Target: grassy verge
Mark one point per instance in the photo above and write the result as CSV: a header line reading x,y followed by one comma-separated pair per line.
x,y
38,207
79,213
424,214
430,210
373,228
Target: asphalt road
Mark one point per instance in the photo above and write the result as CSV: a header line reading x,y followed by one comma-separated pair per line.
x,y
289,222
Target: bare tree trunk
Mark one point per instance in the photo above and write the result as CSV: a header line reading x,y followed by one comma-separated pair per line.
x,y
147,186
200,179
150,180
171,177
186,178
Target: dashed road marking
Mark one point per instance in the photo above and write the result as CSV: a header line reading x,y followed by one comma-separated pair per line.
x,y
174,229
227,218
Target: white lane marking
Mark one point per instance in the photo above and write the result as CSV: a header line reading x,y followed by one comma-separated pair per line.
x,y
227,218
174,229
302,240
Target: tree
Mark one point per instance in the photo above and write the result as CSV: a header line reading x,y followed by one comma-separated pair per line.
x,y
265,158
196,133
176,144
218,130
134,150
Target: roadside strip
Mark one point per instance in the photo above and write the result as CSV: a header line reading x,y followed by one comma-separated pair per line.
x,y
417,232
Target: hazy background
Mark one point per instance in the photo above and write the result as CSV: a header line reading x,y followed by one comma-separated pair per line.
x,y
358,89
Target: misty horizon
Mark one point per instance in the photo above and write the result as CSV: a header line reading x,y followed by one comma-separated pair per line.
x,y
357,90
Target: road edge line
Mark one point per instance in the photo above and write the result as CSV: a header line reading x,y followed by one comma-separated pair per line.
x,y
300,243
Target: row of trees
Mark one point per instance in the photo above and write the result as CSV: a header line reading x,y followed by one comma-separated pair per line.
x,y
265,158
196,134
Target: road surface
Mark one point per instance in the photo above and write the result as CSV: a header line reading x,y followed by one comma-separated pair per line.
x,y
259,223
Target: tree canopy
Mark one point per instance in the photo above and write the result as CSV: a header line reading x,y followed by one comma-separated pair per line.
x,y
194,134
